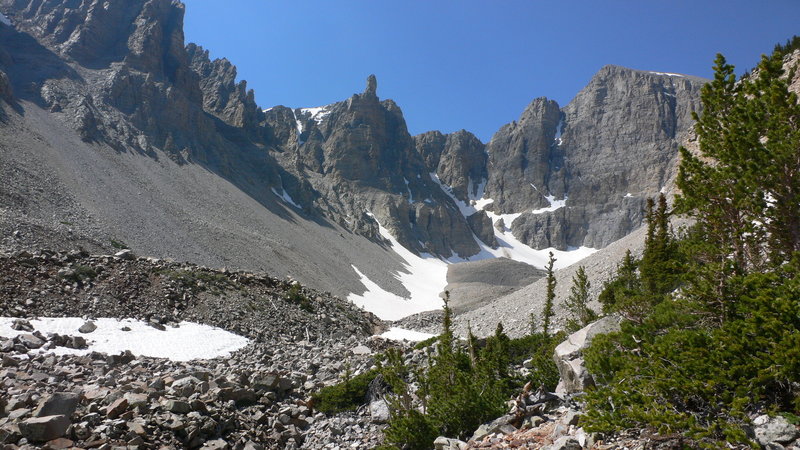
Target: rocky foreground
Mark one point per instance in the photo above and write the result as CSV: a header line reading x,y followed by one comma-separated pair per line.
x,y
258,397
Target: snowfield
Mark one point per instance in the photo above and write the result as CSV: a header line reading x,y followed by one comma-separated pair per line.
x,y
187,342
401,334
425,278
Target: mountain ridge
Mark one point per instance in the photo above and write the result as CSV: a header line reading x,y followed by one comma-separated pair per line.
x,y
345,169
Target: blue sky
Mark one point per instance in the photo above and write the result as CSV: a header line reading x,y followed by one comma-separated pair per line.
x,y
453,64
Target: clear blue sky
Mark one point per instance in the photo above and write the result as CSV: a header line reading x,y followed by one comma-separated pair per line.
x,y
453,64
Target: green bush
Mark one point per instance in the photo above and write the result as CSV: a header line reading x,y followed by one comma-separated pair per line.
x,y
675,374
345,396
539,348
295,296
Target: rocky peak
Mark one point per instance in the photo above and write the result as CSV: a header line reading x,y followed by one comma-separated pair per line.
x,y
459,160
618,144
522,159
223,97
372,86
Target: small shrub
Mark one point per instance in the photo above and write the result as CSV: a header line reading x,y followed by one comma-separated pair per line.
x,y
119,245
295,296
345,396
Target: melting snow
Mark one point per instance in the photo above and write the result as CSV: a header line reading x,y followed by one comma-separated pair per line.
x,y
317,113
401,334
186,342
509,246
4,20
554,204
287,198
559,130
410,195
512,248
425,277
668,74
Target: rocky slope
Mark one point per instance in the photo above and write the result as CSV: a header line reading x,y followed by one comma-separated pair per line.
x,y
300,340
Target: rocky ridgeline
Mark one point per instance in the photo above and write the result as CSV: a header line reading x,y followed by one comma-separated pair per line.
x,y
58,284
121,75
301,340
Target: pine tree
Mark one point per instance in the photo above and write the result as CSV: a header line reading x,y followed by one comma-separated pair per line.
x,y
660,266
577,304
547,314
744,187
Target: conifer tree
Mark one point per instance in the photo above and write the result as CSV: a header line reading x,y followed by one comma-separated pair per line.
x,y
577,304
744,187
547,314
659,267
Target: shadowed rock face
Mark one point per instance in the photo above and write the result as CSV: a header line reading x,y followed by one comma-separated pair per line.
x,y
521,159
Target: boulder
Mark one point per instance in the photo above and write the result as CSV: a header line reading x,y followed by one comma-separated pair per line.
x,y
568,355
379,411
30,341
565,443
43,429
500,425
58,404
777,429
87,327
115,409
177,407
444,443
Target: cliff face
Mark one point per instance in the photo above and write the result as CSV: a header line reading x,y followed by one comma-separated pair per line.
x,y
613,146
363,166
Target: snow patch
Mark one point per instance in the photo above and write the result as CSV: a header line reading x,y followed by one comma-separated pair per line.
x,y
318,113
628,195
287,198
667,74
186,342
559,130
401,334
509,246
410,195
554,204
4,20
268,109
512,248
425,277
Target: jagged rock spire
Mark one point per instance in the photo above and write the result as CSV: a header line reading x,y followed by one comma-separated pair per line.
x,y
372,86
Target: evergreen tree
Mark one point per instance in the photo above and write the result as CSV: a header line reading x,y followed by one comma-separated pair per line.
x,y
547,313
659,267
744,187
624,293
577,304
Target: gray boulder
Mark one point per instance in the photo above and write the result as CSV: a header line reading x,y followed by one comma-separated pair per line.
x,y
379,411
43,429
444,443
87,327
568,355
30,341
58,404
776,429
565,443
